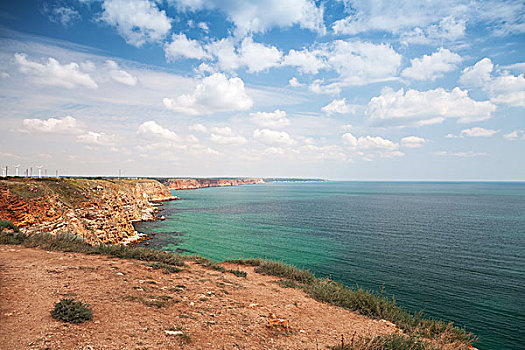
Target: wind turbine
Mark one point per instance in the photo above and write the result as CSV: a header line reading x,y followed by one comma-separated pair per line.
x,y
16,169
39,170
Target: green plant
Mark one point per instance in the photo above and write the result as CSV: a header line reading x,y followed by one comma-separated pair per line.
x,y
6,224
69,310
166,268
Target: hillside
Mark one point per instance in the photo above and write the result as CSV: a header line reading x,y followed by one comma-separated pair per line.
x,y
135,305
98,210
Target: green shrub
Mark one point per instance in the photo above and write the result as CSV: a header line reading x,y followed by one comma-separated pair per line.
x,y
6,224
69,310
386,342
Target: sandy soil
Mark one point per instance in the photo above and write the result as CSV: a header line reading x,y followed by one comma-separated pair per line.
x,y
214,310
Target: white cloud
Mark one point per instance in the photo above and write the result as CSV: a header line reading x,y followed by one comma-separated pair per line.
x,y
503,89
273,137
97,139
330,89
224,51
426,107
516,66
294,82
368,147
431,21
339,107
478,75
225,136
478,132
65,125
306,61
120,75
137,21
258,57
203,26
508,89
433,66
276,119
199,128
467,154
182,47
4,75
252,16
515,135
215,93
54,74
413,141
360,63
152,130
63,15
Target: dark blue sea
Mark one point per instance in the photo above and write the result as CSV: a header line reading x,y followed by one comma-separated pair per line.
x,y
454,250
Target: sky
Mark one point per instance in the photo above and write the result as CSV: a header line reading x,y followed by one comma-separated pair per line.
x,y
335,89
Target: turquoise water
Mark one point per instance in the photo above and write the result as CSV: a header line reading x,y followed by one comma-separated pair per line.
x,y
454,250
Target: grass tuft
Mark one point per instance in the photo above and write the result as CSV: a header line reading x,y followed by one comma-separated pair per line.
x,y
365,302
6,224
69,310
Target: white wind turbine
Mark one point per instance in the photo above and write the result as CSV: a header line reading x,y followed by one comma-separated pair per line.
x,y
16,169
39,170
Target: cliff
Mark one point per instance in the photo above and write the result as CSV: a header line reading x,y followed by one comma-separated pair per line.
x,y
186,184
99,210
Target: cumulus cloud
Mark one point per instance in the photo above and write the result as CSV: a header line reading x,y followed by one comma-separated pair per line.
x,y
152,130
53,73
215,93
478,132
199,128
305,60
413,142
504,88
515,135
256,57
294,82
478,75
120,75
431,21
360,63
339,107
226,136
467,154
253,16
97,139
65,125
273,137
137,21
276,119
368,147
426,107
66,16
431,67
182,47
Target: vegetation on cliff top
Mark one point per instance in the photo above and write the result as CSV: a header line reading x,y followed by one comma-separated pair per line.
x,y
367,303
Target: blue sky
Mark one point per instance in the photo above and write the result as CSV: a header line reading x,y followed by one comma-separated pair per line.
x,y
354,90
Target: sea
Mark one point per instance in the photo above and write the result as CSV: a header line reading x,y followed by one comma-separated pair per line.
x,y
454,250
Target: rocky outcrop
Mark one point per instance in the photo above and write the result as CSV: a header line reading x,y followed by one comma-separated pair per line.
x,y
100,211
186,184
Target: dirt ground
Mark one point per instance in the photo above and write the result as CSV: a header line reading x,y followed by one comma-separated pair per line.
x,y
135,305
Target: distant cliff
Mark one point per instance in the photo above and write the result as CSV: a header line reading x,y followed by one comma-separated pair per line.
x,y
99,210
186,183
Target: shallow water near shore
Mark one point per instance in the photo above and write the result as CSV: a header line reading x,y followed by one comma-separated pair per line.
x,y
454,250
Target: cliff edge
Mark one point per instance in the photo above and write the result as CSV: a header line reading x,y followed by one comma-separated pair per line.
x,y
98,210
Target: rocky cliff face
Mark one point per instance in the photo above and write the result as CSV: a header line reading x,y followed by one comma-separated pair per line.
x,y
100,211
185,184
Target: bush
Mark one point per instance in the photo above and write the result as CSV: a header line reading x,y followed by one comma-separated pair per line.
x,y
6,224
69,310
